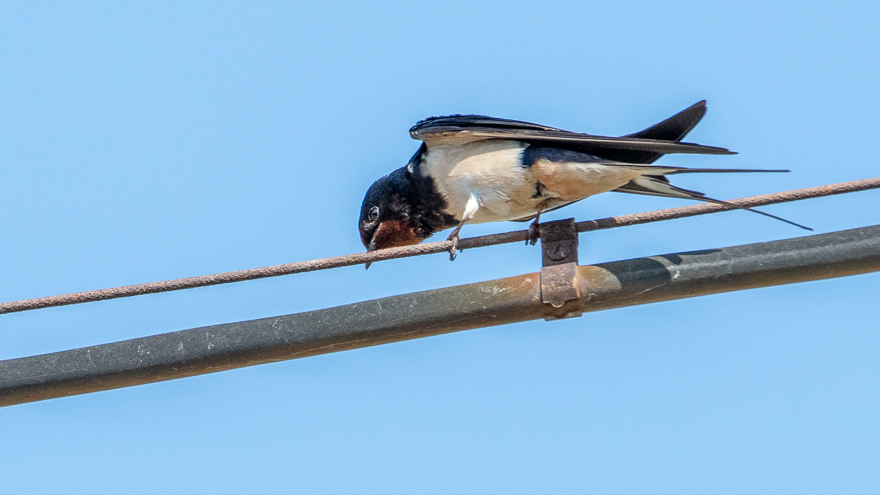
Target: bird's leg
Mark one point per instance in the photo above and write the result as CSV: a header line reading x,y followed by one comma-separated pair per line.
x,y
470,209
534,228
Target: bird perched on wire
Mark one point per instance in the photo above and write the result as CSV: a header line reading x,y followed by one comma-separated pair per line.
x,y
473,169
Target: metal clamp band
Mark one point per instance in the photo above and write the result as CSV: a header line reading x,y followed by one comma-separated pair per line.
x,y
559,275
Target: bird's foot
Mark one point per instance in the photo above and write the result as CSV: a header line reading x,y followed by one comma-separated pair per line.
x,y
453,250
535,227
534,233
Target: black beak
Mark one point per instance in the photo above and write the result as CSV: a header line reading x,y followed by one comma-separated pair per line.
x,y
371,247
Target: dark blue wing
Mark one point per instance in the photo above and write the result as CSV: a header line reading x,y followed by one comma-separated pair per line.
x,y
642,146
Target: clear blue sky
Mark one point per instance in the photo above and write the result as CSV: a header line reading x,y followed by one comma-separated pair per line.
x,y
157,140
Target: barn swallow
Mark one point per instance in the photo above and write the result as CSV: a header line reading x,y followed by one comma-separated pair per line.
x,y
474,169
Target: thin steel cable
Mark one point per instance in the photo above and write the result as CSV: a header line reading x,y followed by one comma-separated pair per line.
x,y
197,351
427,248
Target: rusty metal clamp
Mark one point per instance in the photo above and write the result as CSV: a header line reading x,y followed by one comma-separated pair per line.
x,y
559,275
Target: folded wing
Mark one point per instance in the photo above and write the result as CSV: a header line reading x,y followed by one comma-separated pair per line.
x,y
636,148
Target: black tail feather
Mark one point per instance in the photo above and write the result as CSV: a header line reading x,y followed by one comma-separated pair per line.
x,y
660,186
674,128
720,202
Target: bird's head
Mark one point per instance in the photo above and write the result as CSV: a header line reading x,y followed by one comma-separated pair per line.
x,y
388,218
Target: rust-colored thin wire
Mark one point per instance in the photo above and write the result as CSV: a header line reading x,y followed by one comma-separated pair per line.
x,y
428,248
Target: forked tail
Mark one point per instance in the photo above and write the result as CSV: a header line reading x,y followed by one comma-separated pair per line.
x,y
658,185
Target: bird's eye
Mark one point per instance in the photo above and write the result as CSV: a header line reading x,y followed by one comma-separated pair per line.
x,y
374,213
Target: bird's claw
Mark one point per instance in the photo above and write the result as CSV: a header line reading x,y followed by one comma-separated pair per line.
x,y
534,233
453,250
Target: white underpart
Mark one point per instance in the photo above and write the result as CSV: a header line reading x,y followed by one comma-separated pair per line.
x,y
490,170
573,181
491,173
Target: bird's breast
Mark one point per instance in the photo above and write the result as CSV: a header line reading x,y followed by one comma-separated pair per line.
x,y
493,170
